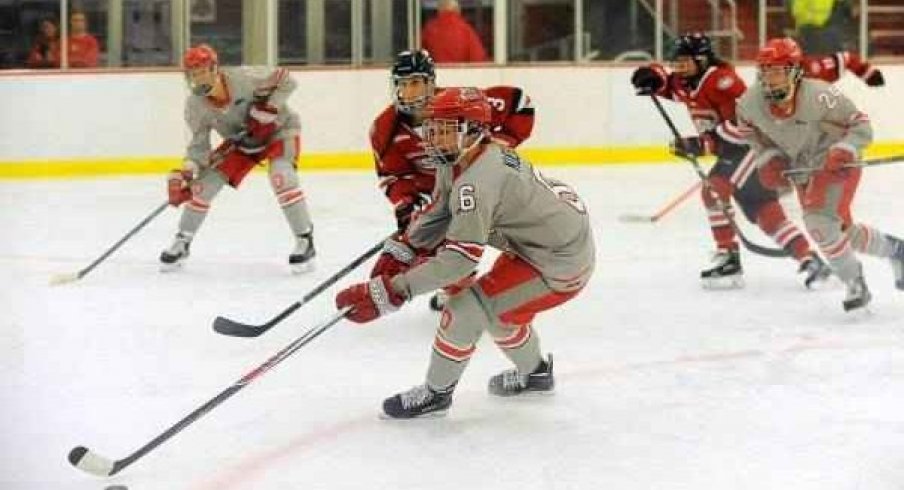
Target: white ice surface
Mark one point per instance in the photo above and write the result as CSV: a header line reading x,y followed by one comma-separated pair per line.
x,y
662,385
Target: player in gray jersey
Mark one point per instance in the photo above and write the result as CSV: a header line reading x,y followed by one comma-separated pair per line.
x,y
485,195
247,107
809,125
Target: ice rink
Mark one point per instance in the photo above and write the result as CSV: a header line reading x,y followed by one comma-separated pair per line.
x,y
661,384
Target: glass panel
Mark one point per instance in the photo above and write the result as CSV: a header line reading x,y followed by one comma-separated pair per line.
x,y
292,44
22,43
541,30
147,33
458,32
338,32
618,30
385,29
732,26
885,28
218,23
88,34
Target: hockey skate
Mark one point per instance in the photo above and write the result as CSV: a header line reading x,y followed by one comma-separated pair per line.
x,y
511,382
438,300
815,270
858,295
420,401
302,258
172,258
897,262
726,272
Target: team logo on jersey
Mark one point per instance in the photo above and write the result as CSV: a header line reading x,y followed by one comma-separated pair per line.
x,y
725,82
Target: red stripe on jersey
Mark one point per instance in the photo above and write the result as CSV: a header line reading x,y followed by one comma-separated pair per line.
x,y
472,251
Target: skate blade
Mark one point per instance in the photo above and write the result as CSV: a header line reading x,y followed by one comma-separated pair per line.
x,y
723,283
303,268
174,267
432,415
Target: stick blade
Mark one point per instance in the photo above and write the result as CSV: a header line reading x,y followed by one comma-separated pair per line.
x,y
232,328
636,218
64,278
90,462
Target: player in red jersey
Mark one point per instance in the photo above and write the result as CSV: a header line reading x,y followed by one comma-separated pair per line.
x,y
710,87
830,68
406,173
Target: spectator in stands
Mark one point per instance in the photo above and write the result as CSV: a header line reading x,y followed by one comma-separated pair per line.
x,y
820,25
450,38
45,51
83,47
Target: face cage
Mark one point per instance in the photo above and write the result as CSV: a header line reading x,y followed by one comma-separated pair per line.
x,y
793,75
416,105
434,128
201,89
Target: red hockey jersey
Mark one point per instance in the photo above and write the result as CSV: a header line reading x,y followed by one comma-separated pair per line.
x,y
711,101
403,167
831,68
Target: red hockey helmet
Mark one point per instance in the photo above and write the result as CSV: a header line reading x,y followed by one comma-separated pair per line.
x,y
456,119
779,68
200,63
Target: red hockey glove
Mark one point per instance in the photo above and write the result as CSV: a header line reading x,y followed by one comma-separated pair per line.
x,y
178,186
772,174
259,128
369,300
837,158
875,79
397,257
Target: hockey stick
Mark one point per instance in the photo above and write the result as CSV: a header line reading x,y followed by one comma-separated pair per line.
x,y
874,162
233,328
753,247
75,276
646,218
91,462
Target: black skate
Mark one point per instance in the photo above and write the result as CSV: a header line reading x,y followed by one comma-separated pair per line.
x,y
512,382
726,273
438,300
172,258
897,262
420,401
815,270
858,295
302,258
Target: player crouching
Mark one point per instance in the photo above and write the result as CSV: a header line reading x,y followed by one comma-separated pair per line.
x,y
485,194
247,107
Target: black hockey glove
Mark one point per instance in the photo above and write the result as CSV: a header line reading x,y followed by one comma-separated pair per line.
x,y
694,146
646,81
875,79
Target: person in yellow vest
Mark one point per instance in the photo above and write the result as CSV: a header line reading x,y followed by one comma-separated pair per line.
x,y
820,24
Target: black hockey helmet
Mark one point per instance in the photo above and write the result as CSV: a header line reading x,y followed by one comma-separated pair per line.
x,y
411,63
693,44
407,65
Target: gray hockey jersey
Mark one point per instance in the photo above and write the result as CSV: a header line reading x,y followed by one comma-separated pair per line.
x,y
228,121
504,202
823,118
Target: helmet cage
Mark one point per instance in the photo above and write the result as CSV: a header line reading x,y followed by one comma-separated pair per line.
x,y
199,61
416,104
773,93
467,135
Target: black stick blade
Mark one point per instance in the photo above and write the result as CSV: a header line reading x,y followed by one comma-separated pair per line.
x,y
90,462
226,326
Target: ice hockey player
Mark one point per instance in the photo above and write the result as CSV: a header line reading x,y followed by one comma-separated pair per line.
x,y
404,170
831,68
710,87
799,123
485,196
247,107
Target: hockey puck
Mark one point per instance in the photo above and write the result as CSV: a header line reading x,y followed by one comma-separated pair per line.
x,y
117,487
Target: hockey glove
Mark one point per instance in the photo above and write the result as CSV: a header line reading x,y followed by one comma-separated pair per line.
x,y
875,79
259,128
178,186
398,255
647,80
694,146
837,158
369,300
